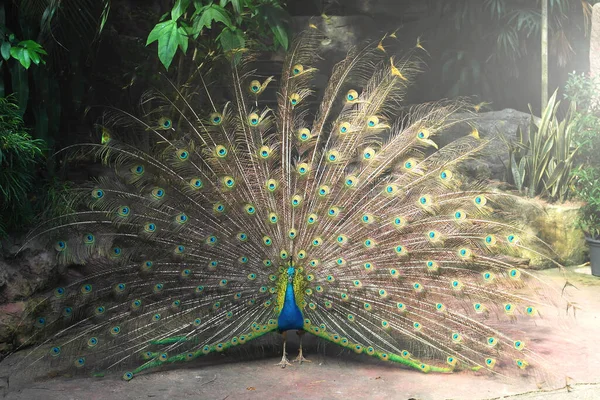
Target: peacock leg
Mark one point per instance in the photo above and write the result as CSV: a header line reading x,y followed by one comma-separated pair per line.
x,y
284,360
300,357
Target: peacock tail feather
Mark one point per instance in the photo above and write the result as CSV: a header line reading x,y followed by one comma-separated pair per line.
x,y
191,241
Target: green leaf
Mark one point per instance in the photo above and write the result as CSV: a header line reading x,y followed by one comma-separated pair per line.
x,y
159,30
517,177
277,19
237,5
21,54
104,16
179,9
169,37
231,40
209,14
281,35
5,50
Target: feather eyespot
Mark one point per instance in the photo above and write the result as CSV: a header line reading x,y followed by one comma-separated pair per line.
x,y
255,87
183,154
490,240
219,208
351,181
181,218
368,154
196,183
303,169
410,164
391,190
334,212
304,135
253,119
342,240
480,201
137,170
297,69
216,118
272,185
324,190
296,200
264,152
228,182
60,245
423,134
165,123
124,211
221,151
333,156
351,96
446,175
295,99
344,128
372,121
250,209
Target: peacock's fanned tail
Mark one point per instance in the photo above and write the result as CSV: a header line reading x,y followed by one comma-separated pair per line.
x,y
185,242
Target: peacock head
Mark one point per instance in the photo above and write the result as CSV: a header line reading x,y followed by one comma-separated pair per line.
x,y
291,271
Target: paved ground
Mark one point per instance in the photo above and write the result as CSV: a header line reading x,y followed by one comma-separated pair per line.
x,y
574,344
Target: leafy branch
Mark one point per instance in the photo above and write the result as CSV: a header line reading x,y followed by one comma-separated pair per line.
x,y
229,25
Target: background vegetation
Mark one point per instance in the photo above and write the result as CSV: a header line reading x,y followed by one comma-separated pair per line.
x,y
63,61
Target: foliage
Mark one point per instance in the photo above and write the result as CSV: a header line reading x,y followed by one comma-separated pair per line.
x,y
229,24
588,190
56,33
19,154
24,51
493,37
585,89
543,157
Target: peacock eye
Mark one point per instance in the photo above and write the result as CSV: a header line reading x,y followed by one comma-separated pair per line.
x,y
216,118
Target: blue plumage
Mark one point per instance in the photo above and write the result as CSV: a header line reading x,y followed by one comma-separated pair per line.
x,y
290,316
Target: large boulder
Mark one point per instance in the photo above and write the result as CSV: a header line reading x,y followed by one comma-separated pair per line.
x,y
22,275
556,224
492,162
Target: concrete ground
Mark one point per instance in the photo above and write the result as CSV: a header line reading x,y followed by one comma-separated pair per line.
x,y
573,345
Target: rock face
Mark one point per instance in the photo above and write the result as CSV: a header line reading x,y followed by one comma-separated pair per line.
x,y
21,276
491,163
556,224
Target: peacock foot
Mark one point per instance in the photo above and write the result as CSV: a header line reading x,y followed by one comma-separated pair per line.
x,y
300,359
284,361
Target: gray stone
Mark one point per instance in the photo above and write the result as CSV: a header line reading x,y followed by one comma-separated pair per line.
x,y
21,276
492,162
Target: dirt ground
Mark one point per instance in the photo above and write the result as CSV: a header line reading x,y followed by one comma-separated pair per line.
x,y
572,343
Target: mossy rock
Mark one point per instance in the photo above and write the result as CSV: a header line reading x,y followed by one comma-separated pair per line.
x,y
556,224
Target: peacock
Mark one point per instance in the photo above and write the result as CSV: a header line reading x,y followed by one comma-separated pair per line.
x,y
230,219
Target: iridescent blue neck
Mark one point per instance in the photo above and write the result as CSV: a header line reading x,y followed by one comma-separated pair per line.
x,y
290,317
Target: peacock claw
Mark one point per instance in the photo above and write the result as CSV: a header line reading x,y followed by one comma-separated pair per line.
x,y
300,359
284,361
